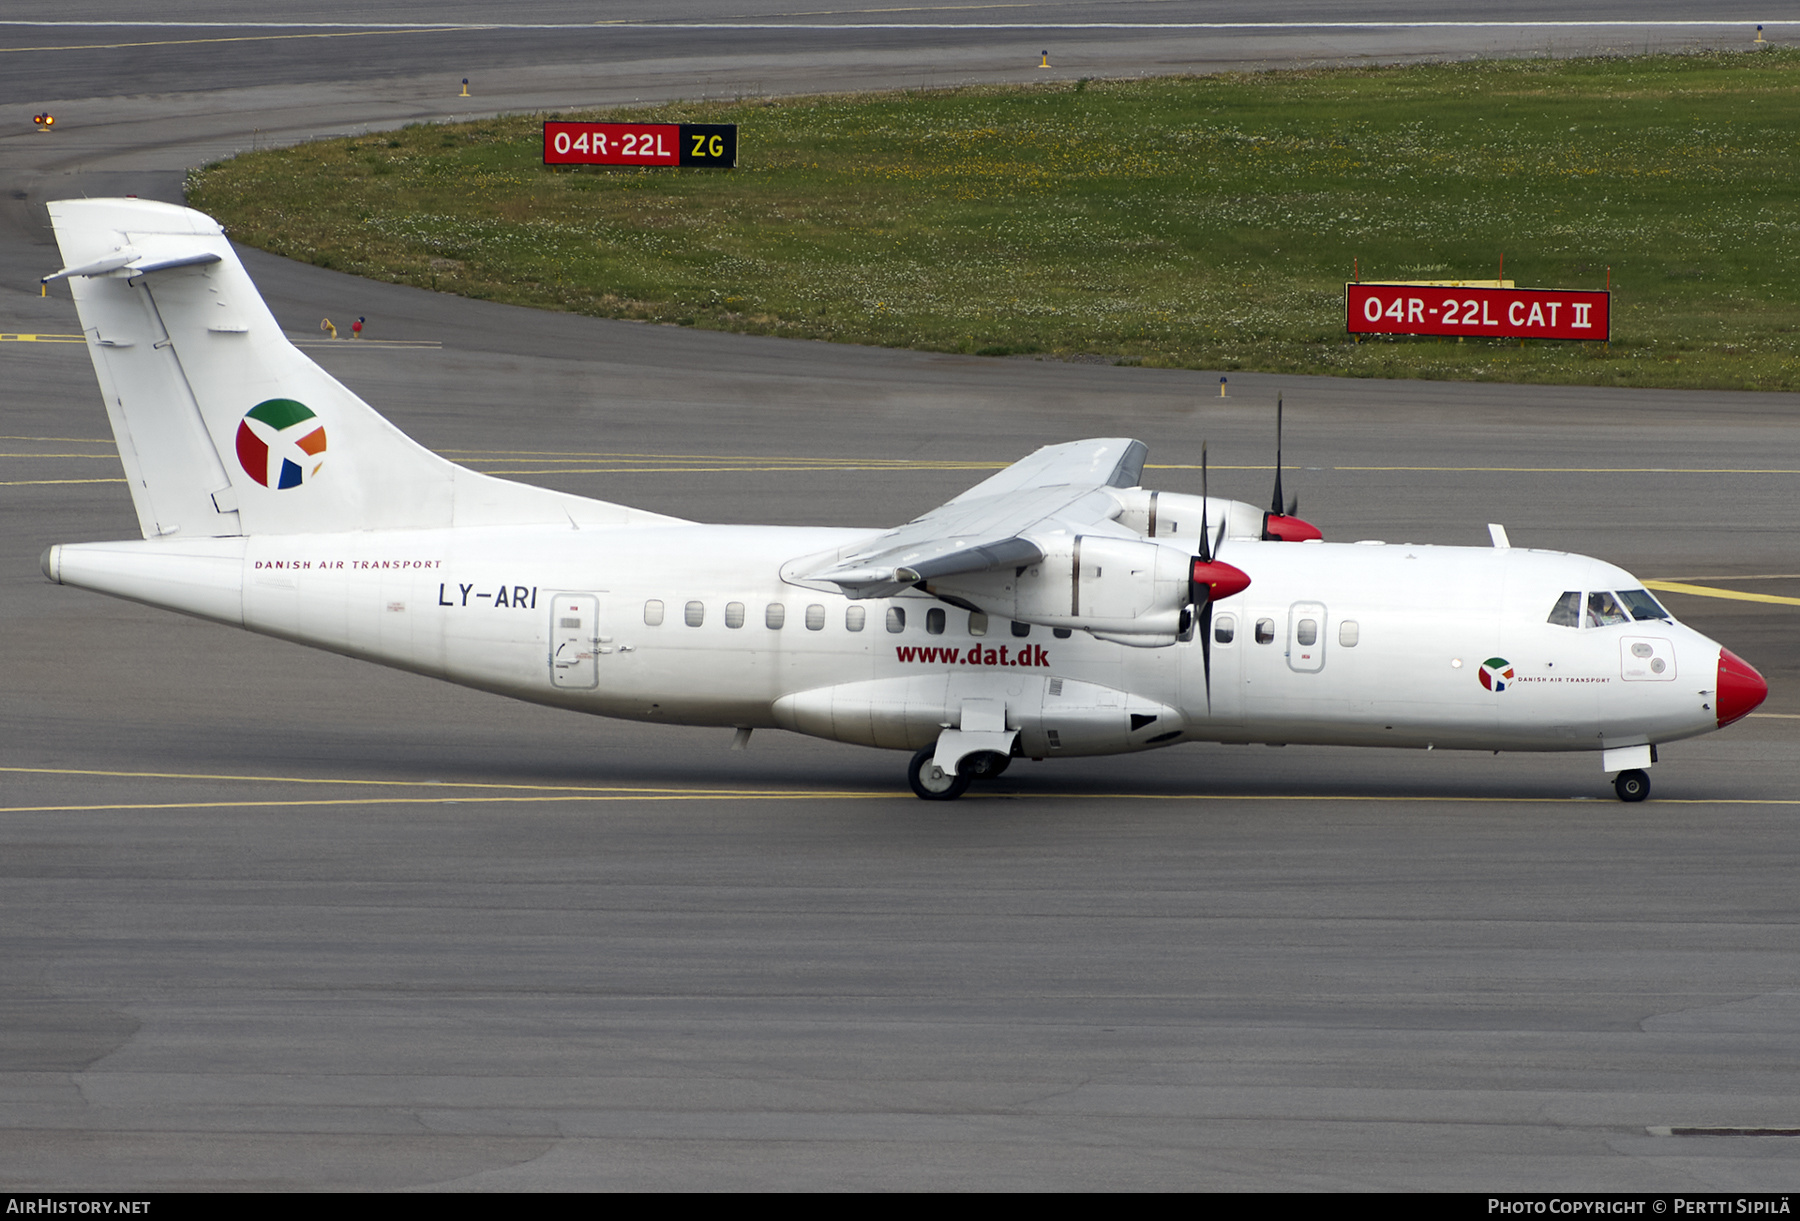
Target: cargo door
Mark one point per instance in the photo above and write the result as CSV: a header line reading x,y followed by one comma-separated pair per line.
x,y
575,641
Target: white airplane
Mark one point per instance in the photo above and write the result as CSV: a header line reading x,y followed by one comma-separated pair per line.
x,y
1055,609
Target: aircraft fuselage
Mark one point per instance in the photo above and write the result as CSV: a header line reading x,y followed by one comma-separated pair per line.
x,y
1358,644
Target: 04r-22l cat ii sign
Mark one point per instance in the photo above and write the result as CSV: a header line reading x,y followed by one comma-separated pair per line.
x,y
704,145
1056,608
1374,308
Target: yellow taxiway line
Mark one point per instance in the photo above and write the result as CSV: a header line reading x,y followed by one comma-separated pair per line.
x,y
546,793
187,42
1712,591
660,464
408,784
1580,470
887,795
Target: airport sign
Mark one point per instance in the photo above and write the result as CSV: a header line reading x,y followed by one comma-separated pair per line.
x,y
1501,313
712,145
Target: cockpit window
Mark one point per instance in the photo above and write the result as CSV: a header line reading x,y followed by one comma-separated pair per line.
x,y
1603,610
1642,605
1567,611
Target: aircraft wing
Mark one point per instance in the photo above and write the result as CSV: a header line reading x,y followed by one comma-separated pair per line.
x,y
1000,521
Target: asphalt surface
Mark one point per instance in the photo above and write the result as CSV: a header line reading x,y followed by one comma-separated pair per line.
x,y
271,918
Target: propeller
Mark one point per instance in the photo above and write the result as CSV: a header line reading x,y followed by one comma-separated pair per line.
x,y
1203,609
1209,580
1279,523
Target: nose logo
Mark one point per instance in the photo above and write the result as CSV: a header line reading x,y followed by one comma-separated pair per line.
x,y
1496,674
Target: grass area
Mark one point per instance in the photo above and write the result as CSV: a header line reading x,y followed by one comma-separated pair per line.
x,y
1205,222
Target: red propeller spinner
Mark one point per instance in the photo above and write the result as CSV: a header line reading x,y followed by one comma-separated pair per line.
x,y
1280,527
1220,579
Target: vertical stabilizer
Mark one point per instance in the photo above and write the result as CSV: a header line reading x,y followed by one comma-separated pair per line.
x,y
226,428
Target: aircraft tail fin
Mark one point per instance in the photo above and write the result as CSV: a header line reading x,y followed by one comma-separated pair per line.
x,y
224,427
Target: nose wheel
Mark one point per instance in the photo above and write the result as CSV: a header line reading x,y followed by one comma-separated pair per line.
x,y
932,782
1632,785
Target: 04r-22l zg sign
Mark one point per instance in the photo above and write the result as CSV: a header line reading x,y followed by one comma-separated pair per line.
x,y
1510,313
698,144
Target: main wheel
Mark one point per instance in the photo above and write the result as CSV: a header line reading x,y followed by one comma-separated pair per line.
x,y
1633,785
984,765
932,782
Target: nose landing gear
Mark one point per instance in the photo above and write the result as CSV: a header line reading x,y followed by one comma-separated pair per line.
x,y
1632,785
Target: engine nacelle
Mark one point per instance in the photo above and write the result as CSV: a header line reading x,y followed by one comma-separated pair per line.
x,y
1133,591
1178,515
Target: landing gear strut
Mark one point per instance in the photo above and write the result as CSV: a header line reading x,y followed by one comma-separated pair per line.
x,y
1632,785
932,782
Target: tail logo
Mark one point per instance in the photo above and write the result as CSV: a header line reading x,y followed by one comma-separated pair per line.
x,y
281,443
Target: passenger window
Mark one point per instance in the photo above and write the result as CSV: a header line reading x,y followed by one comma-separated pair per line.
x,y
734,614
1021,629
696,614
934,621
1061,633
774,616
1567,611
653,612
896,619
1642,605
815,618
977,623
1225,629
1307,633
1603,610
854,618
1265,631
1349,633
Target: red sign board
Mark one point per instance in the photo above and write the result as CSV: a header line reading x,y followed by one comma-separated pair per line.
x,y
1510,313
698,144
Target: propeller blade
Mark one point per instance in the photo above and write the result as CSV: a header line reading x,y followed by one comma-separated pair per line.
x,y
1205,528
1205,617
1279,523
1275,505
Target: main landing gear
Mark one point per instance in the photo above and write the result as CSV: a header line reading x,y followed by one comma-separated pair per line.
x,y
1632,785
933,783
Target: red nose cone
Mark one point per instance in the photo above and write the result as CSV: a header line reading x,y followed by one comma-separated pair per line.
x,y
1741,688
1278,527
1221,580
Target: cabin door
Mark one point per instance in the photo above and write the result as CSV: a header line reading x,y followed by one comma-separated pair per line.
x,y
1306,637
